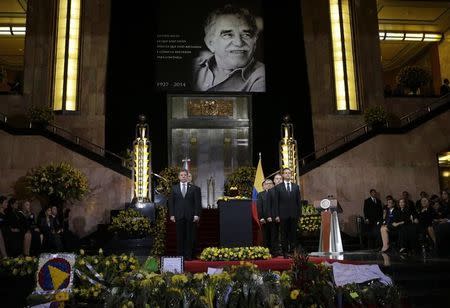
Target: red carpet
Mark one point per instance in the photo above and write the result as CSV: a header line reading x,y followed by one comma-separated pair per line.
x,y
275,264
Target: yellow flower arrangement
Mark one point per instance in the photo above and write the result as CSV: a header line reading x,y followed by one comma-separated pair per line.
x,y
131,223
310,220
20,266
294,294
237,253
57,183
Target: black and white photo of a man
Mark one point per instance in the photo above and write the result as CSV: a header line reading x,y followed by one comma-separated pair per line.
x,y
231,36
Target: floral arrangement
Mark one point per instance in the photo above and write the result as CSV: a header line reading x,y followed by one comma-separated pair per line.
x,y
57,183
20,266
171,175
117,281
310,220
240,182
159,232
233,254
227,198
96,272
130,223
40,114
375,115
308,284
413,77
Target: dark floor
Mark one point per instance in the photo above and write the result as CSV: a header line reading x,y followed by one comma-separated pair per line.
x,y
424,279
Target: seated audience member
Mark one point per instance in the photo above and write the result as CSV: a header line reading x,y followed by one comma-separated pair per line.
x,y
15,228
423,194
424,220
389,226
445,201
70,240
3,204
33,237
442,225
445,87
52,239
397,223
57,219
373,216
407,232
409,203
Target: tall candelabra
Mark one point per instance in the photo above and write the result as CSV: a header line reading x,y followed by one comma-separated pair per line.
x,y
288,149
142,163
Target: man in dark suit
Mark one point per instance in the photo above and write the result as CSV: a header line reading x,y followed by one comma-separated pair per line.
x,y
373,216
185,207
265,213
277,179
287,210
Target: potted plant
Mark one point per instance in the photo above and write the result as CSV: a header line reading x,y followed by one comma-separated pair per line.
x,y
40,116
413,77
240,182
171,175
375,116
55,184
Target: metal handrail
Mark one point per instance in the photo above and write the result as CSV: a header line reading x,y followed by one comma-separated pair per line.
x,y
79,141
408,118
70,136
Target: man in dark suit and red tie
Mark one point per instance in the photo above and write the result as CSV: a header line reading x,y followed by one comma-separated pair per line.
x,y
287,210
184,208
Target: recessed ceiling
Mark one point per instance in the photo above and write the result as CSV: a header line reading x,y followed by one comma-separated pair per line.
x,y
409,16
423,16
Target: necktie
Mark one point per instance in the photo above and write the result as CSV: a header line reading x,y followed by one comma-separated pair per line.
x,y
183,190
289,187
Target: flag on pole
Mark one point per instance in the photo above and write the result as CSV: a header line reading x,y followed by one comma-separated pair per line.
x,y
257,188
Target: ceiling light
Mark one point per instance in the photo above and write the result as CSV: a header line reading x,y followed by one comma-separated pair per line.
x,y
410,36
13,30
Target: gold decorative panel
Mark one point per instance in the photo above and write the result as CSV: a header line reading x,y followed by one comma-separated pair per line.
x,y
210,108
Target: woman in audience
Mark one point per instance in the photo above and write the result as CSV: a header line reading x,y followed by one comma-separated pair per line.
x,y
16,224
424,220
397,223
442,225
52,240
388,227
33,237
445,201
3,205
406,235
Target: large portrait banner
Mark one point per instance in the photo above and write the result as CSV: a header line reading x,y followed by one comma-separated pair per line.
x,y
209,46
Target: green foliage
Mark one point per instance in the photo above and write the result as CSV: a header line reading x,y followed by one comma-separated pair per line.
x,y
312,282
88,286
310,220
413,77
57,183
159,232
236,253
130,223
40,114
20,266
118,281
171,174
242,179
375,115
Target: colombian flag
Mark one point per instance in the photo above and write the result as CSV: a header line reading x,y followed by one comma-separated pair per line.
x,y
257,187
